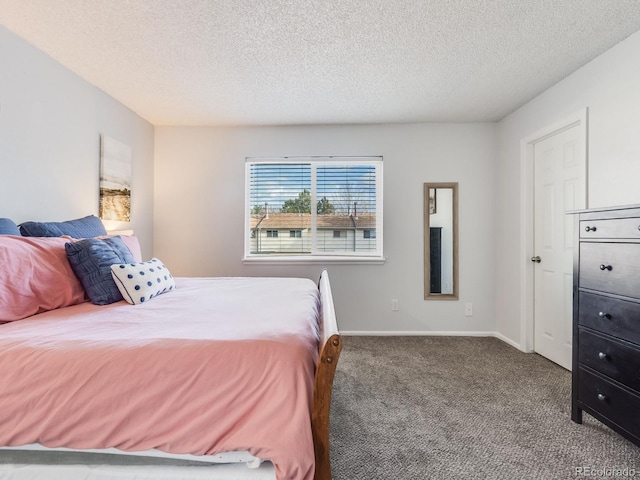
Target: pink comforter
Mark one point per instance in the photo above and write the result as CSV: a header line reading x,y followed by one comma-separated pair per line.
x,y
220,364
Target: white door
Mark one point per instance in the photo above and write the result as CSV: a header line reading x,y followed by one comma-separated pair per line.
x,y
560,186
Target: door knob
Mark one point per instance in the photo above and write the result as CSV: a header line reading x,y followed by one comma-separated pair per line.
x,y
536,259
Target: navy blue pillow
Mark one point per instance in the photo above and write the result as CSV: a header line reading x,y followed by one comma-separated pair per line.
x,y
91,260
8,227
86,227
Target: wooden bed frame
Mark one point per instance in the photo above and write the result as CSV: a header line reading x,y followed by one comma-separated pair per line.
x,y
329,352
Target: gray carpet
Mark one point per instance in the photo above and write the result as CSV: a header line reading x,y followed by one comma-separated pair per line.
x,y
461,407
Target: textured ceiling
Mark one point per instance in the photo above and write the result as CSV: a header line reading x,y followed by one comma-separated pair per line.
x,y
273,62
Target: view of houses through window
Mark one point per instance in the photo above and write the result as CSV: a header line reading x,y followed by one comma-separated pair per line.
x,y
345,194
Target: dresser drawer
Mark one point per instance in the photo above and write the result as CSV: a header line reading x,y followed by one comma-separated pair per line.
x,y
610,267
618,404
618,360
610,228
612,316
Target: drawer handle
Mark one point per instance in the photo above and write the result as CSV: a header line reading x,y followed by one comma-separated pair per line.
x,y
602,356
606,267
593,229
604,315
601,397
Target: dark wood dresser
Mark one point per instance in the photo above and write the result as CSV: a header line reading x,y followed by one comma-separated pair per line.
x,y
606,318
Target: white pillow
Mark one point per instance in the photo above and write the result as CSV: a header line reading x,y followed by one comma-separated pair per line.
x,y
140,282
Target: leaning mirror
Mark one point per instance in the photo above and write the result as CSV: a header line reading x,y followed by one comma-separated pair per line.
x,y
441,241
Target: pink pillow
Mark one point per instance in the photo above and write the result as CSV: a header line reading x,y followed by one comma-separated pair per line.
x,y
35,276
133,244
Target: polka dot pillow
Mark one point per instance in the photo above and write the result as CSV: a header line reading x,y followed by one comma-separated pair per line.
x,y
140,282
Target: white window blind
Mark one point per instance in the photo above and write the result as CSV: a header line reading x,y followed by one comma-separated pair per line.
x,y
330,202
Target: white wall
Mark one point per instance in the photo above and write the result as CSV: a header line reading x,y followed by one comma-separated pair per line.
x,y
50,126
609,87
199,205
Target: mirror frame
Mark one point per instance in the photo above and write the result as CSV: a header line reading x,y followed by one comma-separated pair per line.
x,y
427,248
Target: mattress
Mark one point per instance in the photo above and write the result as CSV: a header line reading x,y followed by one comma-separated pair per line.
x,y
218,365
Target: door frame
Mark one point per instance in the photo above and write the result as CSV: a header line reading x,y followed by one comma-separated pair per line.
x,y
527,222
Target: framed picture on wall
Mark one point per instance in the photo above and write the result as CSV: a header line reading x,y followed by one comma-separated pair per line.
x,y
115,180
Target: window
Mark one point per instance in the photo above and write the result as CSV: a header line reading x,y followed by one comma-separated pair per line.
x,y
346,195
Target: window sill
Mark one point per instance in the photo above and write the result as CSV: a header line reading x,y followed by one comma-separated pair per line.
x,y
303,260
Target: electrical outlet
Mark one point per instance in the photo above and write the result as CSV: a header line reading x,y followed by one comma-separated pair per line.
x,y
468,309
395,305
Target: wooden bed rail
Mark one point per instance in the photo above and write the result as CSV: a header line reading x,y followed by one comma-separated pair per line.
x,y
329,352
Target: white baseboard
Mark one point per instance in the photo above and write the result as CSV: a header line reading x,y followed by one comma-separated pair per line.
x,y
500,336
420,333
413,333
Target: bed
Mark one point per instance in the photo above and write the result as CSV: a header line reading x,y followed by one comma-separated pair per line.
x,y
233,370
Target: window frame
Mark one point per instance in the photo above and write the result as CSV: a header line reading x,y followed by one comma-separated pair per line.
x,y
316,256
